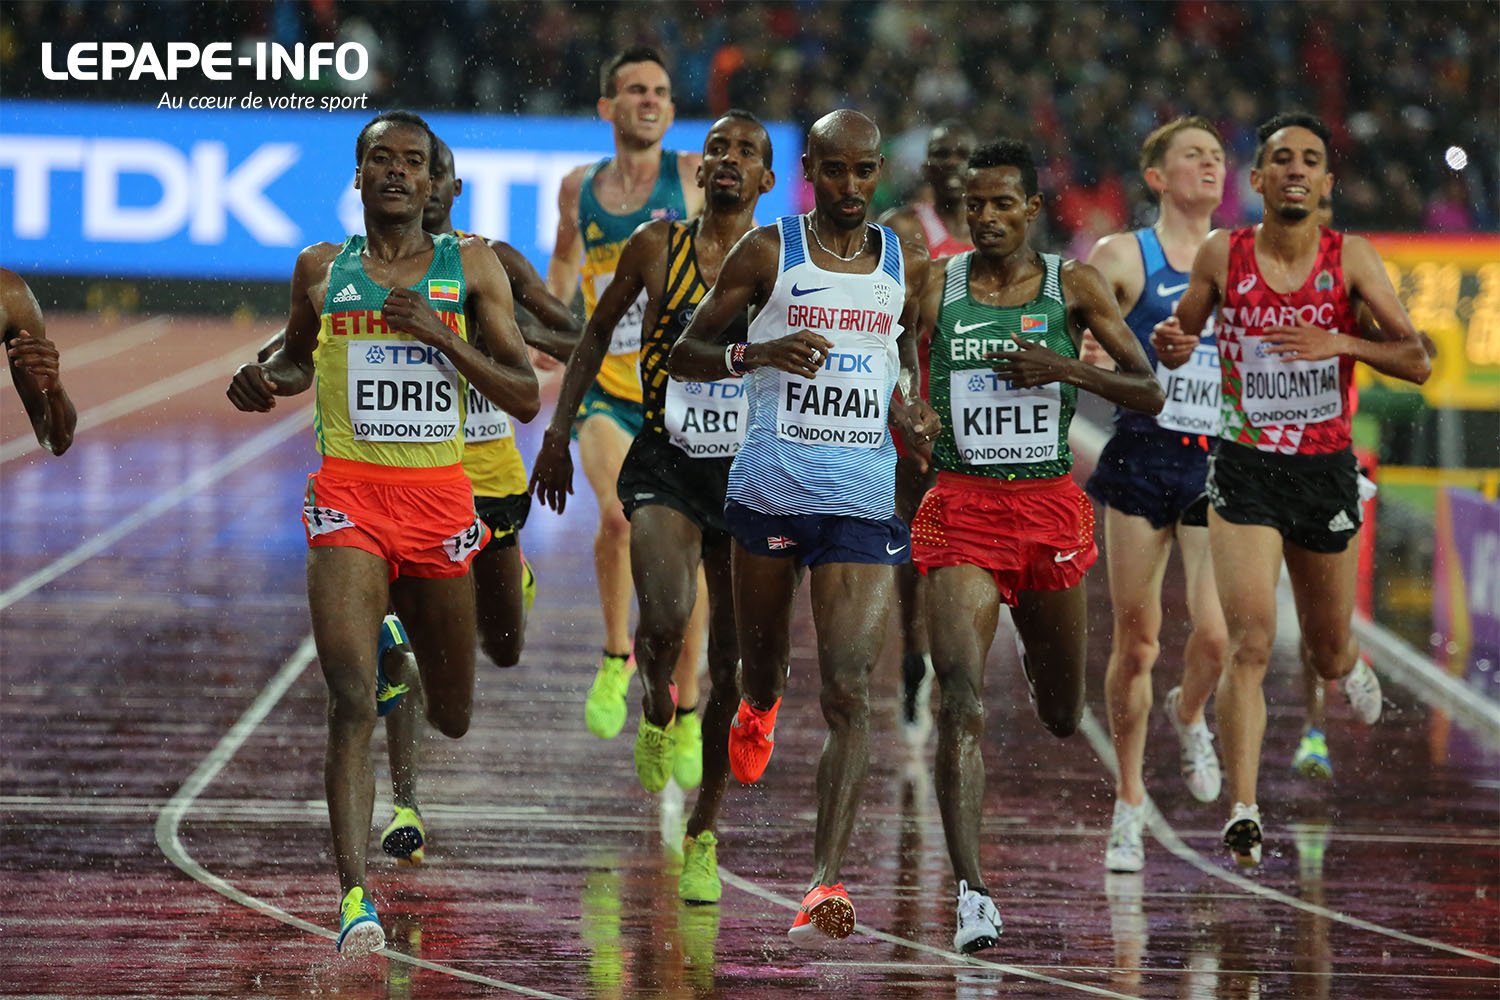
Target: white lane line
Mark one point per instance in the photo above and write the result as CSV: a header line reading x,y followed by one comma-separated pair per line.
x,y
138,399
1099,740
163,502
168,826
115,343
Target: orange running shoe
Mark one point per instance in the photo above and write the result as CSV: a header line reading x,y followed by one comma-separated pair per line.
x,y
826,909
752,737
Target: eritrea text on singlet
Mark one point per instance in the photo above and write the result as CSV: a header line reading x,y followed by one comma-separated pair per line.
x,y
703,419
990,427
384,397
1273,404
604,237
821,446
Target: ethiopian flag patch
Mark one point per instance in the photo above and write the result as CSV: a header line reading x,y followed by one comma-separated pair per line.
x,y
1034,323
439,290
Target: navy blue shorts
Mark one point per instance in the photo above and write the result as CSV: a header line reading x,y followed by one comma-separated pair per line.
x,y
1158,475
815,539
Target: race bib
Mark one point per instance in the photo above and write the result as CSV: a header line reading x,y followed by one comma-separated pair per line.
x,y
322,520
1192,392
627,336
466,542
843,407
1274,392
706,419
996,424
402,390
485,421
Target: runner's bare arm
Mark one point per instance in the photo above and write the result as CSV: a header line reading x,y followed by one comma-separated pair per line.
x,y
1092,306
912,417
904,221
1177,336
565,265
556,329
289,369
1117,258
35,366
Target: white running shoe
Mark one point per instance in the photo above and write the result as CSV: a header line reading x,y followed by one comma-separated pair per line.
x,y
1200,765
1362,690
1242,835
916,701
1127,850
978,921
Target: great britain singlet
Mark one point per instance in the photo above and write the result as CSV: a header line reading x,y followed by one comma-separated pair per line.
x,y
1192,390
385,397
940,242
702,419
492,461
604,237
821,446
1271,404
991,428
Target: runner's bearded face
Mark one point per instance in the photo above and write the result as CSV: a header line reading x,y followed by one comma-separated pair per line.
x,y
395,178
642,108
844,179
733,166
1293,173
999,211
1193,168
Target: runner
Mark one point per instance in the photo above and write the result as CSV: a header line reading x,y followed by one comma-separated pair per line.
x,y
814,483
390,515
35,366
673,478
1005,522
599,206
1150,480
944,229
1283,482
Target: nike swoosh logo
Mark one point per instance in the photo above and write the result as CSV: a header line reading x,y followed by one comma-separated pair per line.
x,y
1163,290
807,291
1062,558
959,329
890,551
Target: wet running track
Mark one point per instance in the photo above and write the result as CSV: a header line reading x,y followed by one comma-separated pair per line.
x,y
164,833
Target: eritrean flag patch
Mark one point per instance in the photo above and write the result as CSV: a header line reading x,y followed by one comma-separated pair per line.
x,y
1034,324
439,290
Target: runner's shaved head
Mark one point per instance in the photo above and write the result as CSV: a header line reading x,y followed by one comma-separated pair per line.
x,y
844,129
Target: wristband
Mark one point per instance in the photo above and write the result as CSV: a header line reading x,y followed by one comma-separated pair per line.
x,y
734,359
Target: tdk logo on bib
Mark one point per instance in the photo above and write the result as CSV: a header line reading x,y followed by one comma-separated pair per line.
x,y
847,363
715,390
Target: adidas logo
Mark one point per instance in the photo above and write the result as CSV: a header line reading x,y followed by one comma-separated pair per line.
x,y
347,294
1341,522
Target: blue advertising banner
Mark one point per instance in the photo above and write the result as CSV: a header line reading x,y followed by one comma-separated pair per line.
x,y
106,190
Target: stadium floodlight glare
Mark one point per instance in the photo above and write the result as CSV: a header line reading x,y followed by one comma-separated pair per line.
x,y
1456,157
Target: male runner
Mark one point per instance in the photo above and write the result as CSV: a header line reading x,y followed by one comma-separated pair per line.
x,y
390,515
943,228
674,475
1283,481
1150,480
35,365
599,206
814,483
1005,522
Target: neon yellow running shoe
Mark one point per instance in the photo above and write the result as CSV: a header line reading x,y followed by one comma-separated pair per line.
x,y
654,754
604,711
687,765
392,636
360,932
699,880
1312,760
528,585
405,839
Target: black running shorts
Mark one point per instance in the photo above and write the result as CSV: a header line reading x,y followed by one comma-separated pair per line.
x,y
1313,500
656,471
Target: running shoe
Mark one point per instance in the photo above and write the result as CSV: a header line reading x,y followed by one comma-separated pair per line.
x,y
405,839
604,711
1311,759
825,909
699,880
979,923
752,737
528,585
1127,849
360,932
392,636
1362,690
687,764
1242,835
654,754
916,698
1200,765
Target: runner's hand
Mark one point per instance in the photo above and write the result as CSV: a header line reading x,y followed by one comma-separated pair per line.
x,y
252,389
34,354
1030,364
1091,352
801,353
552,471
407,312
1172,345
919,424
1301,343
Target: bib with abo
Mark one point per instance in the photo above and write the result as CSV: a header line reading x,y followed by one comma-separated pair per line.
x,y
706,419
